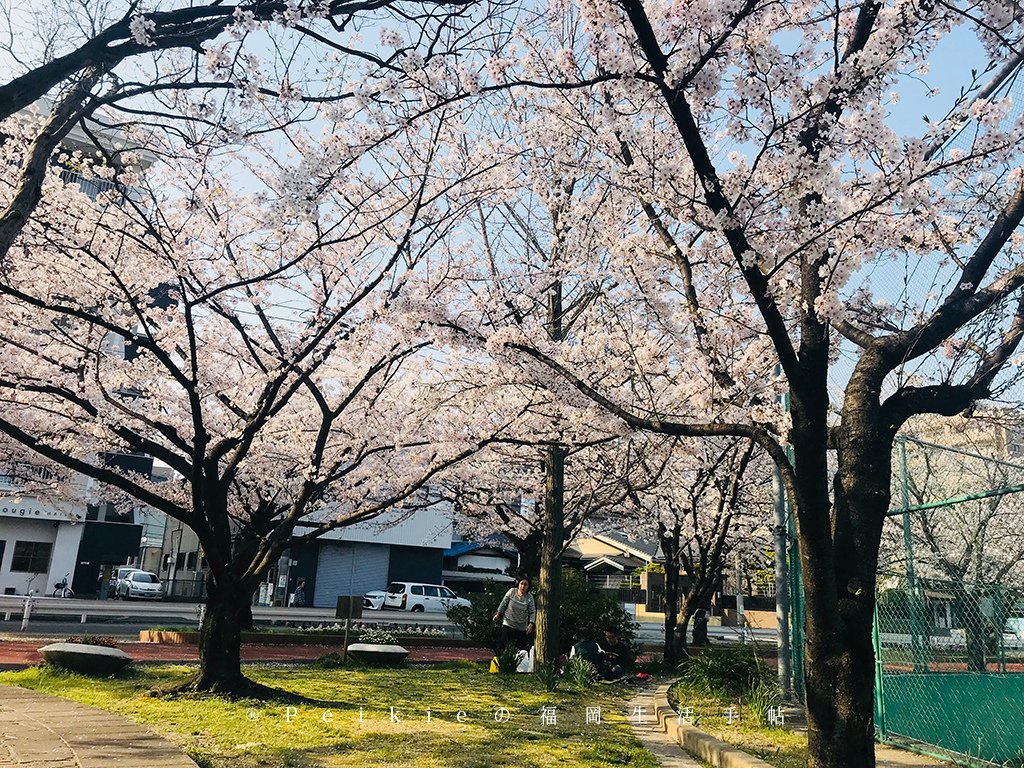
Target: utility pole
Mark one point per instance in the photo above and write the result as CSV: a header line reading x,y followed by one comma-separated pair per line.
x,y
741,619
780,535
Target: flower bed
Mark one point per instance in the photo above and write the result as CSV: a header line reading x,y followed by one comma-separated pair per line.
x,y
304,638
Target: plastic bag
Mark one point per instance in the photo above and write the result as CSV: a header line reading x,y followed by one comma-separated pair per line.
x,y
525,663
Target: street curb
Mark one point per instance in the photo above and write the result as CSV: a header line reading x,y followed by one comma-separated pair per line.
x,y
701,745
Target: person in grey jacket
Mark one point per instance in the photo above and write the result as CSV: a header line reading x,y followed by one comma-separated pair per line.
x,y
517,613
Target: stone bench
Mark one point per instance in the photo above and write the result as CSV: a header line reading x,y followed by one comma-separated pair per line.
x,y
378,654
87,659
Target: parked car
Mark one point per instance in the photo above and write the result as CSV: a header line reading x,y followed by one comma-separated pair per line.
x,y
117,576
374,601
140,584
410,596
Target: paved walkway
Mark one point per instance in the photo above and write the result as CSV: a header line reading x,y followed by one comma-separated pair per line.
x,y
40,731
667,752
16,654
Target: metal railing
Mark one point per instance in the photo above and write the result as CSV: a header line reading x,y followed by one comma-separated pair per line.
x,y
20,607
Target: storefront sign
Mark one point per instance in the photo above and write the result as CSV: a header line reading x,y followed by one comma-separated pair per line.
x,y
35,511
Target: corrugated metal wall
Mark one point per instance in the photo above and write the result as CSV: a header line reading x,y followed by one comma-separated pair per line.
x,y
344,568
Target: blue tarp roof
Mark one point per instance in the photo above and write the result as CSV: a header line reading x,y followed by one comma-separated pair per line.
x,y
463,547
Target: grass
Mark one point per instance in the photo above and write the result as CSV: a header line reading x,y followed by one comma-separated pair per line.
x,y
218,733
777,746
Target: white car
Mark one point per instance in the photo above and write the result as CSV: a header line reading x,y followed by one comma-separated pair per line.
x,y
119,575
374,601
140,584
412,596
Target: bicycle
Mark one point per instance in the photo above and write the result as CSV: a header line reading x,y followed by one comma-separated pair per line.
x,y
61,588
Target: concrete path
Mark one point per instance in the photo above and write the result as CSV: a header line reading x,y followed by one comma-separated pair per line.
x,y
40,731
668,753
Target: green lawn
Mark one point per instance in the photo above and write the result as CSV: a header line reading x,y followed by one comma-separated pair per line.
x,y
778,746
249,734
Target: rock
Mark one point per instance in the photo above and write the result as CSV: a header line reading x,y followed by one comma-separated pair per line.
x,y
87,659
378,654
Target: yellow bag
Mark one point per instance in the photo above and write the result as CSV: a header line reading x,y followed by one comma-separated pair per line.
x,y
494,664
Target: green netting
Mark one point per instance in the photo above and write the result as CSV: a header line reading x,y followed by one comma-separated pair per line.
x,y
951,668
949,629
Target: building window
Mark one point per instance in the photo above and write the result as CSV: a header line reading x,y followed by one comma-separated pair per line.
x,y
31,556
179,562
191,563
1014,442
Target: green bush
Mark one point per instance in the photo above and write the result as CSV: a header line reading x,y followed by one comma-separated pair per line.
x,y
508,659
100,640
474,620
585,613
763,697
580,672
549,675
733,670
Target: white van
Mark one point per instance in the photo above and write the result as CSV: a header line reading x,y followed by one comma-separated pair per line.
x,y
411,596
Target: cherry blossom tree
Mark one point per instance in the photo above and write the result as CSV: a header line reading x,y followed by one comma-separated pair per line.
x,y
500,490
530,280
256,342
215,71
709,497
760,200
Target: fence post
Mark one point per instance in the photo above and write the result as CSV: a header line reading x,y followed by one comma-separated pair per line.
x,y
876,640
917,626
1000,625
26,612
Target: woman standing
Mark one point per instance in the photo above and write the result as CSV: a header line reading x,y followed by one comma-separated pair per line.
x,y
517,614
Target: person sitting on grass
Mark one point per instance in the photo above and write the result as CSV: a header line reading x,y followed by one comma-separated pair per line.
x,y
617,658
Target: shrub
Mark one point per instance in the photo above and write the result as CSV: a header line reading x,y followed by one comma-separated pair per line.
x,y
549,675
474,620
105,642
727,671
763,697
585,613
508,659
330,661
580,672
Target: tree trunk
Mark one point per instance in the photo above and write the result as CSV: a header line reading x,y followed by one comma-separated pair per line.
x,y
682,644
839,686
529,553
220,640
974,631
549,583
839,555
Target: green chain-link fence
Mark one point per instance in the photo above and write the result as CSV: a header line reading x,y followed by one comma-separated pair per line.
x,y
949,629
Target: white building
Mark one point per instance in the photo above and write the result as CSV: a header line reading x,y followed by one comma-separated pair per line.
x,y
39,541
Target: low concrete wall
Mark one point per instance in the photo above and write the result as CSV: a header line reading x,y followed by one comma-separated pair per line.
x,y
699,744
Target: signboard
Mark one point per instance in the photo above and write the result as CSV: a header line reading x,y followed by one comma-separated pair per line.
x,y
31,509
